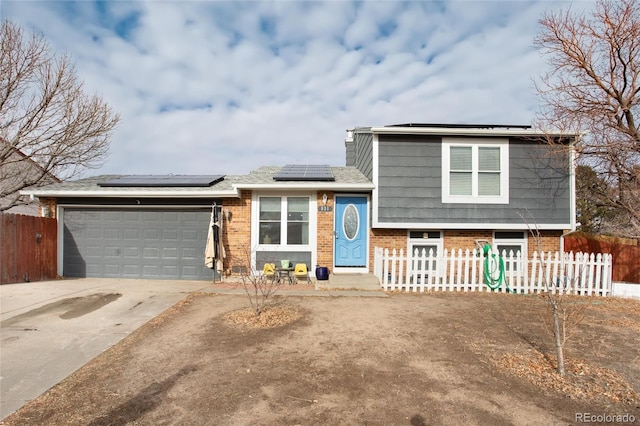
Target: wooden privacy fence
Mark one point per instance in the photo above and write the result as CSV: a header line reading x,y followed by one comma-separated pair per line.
x,y
625,253
28,248
579,273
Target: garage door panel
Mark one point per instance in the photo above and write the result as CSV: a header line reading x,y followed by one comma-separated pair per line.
x,y
188,235
113,216
151,234
130,234
189,254
191,217
131,253
170,253
129,216
170,270
91,232
191,271
159,243
172,216
152,271
150,253
112,234
170,234
112,269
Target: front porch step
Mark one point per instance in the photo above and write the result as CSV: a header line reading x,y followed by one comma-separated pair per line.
x,y
349,282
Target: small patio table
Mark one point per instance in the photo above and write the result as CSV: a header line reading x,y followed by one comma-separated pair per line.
x,y
285,274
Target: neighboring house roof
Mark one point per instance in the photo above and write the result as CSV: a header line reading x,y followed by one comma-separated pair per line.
x,y
12,174
346,178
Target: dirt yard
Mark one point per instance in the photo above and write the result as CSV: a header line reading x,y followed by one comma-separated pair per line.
x,y
431,359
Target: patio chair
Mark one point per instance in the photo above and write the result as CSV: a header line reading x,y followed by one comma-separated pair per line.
x,y
301,271
269,271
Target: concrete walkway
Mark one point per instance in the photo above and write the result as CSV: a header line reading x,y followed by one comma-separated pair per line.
x,y
50,329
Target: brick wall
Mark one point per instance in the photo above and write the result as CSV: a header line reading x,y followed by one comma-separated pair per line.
x,y
547,241
48,207
237,232
459,239
386,238
325,236
465,239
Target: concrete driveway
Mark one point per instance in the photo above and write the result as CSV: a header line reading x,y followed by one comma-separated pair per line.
x,y
50,329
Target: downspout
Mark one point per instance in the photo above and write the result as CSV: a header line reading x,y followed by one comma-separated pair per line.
x,y
572,192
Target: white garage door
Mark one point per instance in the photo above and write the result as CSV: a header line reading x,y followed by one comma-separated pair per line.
x,y
135,243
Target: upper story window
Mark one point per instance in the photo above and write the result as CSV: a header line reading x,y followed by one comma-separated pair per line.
x,y
284,220
475,171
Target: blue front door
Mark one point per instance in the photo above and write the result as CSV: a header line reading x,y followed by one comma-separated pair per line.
x,y
351,231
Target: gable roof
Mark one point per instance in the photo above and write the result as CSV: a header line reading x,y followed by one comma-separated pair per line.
x,y
20,156
17,168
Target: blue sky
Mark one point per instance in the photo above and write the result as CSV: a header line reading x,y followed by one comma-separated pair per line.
x,y
225,87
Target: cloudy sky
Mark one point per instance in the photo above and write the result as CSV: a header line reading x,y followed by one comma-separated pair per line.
x,y
225,87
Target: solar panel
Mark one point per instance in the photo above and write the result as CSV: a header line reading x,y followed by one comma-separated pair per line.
x,y
306,172
162,181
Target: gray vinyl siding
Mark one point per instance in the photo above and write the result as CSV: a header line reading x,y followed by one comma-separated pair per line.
x,y
350,153
360,153
410,181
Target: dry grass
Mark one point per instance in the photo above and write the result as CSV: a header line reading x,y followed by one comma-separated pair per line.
x,y
582,380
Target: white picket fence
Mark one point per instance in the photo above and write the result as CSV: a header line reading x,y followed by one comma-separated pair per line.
x,y
570,273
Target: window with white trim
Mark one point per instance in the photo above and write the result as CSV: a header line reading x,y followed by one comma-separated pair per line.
x,y
283,221
509,244
424,242
475,171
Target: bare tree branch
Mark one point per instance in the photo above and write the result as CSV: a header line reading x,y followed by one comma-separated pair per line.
x,y
594,84
49,127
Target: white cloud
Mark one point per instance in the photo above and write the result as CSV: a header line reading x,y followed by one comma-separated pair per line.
x,y
225,87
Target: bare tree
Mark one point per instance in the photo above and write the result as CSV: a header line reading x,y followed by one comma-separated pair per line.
x,y
48,126
593,84
559,288
258,286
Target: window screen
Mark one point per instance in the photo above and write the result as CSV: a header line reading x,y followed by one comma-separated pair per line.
x,y
461,170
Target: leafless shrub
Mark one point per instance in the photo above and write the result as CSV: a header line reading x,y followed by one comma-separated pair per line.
x,y
565,311
258,286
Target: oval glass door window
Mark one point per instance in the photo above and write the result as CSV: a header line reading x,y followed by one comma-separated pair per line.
x,y
350,221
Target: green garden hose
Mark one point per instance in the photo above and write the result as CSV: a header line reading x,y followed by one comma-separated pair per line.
x,y
494,264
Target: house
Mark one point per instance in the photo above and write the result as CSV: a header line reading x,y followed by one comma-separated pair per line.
x,y
442,186
16,168
404,186
156,226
